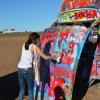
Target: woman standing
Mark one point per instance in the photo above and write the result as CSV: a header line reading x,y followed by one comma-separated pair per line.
x,y
25,66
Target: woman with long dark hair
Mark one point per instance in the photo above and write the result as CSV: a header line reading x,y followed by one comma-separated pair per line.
x,y
30,60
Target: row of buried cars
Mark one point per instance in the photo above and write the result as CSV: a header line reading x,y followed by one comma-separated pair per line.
x,y
76,34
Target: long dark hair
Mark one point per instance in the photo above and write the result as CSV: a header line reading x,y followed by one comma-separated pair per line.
x,y
32,39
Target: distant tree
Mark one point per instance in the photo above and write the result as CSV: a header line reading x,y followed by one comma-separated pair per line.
x,y
0,31
26,31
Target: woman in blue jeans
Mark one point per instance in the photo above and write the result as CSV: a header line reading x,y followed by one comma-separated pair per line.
x,y
26,65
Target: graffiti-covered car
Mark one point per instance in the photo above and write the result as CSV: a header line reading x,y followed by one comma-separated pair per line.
x,y
76,34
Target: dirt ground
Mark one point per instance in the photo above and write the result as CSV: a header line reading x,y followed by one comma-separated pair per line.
x,y
10,50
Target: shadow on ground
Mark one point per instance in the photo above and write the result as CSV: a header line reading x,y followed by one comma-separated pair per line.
x,y
9,86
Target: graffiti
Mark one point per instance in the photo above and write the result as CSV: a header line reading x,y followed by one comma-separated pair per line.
x,y
60,76
63,45
95,72
86,14
71,4
79,15
69,42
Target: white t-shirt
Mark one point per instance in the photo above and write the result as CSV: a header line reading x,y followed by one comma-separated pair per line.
x,y
26,59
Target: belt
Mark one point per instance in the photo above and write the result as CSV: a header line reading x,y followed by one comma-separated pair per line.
x,y
25,68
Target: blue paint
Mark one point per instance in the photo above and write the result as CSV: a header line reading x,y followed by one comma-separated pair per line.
x,y
64,44
64,65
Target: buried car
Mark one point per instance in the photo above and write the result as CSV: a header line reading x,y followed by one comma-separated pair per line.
x,y
76,34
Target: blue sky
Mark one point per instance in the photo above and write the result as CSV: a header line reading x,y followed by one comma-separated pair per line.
x,y
28,15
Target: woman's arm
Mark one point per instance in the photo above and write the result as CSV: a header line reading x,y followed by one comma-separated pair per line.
x,y
46,57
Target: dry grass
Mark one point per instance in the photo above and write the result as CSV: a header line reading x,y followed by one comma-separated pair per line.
x,y
10,50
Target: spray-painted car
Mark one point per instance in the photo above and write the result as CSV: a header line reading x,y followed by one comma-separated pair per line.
x,y
76,35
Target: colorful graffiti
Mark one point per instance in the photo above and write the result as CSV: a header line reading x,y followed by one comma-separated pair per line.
x,y
68,42
72,4
95,72
86,14
58,75
83,14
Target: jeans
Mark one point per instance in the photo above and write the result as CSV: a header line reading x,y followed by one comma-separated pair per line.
x,y
26,75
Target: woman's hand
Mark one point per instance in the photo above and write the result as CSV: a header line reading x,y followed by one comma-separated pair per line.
x,y
58,54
